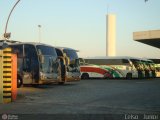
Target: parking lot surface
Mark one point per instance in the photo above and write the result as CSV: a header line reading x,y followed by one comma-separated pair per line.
x,y
88,97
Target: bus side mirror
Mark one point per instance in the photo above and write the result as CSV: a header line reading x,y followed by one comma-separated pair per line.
x,y
61,61
41,57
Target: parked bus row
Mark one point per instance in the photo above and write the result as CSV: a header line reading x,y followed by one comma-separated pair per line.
x,y
44,64
39,63
117,67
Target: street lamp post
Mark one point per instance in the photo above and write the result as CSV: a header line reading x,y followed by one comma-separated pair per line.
x,y
7,35
39,26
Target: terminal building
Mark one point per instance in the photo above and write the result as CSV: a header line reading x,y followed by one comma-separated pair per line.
x,y
151,37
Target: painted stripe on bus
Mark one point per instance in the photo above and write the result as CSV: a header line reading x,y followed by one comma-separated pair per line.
x,y
96,70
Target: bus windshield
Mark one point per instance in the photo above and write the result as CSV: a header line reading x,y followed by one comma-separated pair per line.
x,y
71,54
50,56
45,50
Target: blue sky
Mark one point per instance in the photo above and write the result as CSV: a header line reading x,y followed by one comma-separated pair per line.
x,y
81,24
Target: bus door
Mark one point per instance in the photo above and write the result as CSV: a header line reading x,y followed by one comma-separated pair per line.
x,y
30,65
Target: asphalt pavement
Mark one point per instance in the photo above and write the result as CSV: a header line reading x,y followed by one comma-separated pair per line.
x,y
88,97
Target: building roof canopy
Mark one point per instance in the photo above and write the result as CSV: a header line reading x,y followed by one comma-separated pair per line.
x,y
151,37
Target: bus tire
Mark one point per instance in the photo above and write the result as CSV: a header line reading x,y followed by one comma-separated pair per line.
x,y
129,76
19,82
85,76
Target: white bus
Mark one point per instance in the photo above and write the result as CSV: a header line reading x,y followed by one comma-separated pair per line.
x,y
70,63
128,67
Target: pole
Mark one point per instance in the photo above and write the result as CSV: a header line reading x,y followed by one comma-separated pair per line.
x,y
39,35
9,18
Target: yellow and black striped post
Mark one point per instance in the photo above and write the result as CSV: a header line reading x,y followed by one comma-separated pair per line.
x,y
7,74
1,77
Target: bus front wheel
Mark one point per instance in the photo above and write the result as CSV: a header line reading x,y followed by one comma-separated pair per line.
x,y
85,76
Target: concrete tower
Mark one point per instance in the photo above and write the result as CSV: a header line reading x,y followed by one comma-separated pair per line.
x,y
110,35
